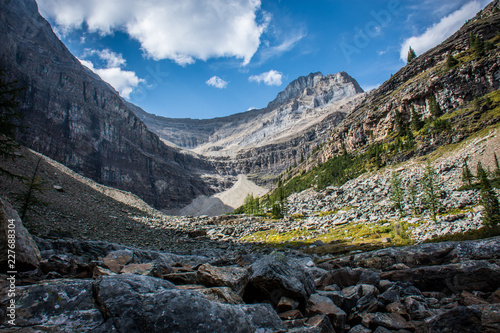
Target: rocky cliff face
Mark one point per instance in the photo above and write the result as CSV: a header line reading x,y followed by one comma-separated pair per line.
x,y
74,117
271,139
425,77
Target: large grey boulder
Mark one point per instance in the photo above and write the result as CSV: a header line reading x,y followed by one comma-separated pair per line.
x,y
461,319
134,303
27,255
235,278
62,305
274,277
144,304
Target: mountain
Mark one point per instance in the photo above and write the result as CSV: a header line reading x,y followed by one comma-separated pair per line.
x,y
269,140
74,117
426,78
429,107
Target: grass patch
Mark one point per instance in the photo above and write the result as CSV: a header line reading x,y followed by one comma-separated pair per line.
x,y
456,211
353,236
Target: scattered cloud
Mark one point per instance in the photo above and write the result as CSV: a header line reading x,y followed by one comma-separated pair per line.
x,y
111,58
271,78
217,82
182,31
123,81
440,31
286,45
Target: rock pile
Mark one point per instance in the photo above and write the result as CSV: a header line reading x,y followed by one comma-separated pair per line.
x,y
105,287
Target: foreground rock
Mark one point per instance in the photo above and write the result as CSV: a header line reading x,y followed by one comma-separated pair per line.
x,y
15,237
274,277
104,287
133,303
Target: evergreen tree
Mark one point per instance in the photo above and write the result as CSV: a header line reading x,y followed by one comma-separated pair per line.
x,y
476,45
434,108
430,187
28,197
276,211
416,120
489,200
467,176
10,121
411,55
397,193
413,197
496,173
451,61
400,125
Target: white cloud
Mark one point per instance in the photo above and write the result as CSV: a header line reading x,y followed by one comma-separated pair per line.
x,y
286,45
271,78
182,31
111,58
440,31
217,82
123,81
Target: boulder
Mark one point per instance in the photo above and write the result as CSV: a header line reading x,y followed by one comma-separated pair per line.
x,y
116,260
220,294
133,303
139,303
460,319
67,266
479,275
286,304
490,317
141,269
63,305
291,315
392,321
360,329
235,278
417,307
322,305
273,278
15,237
321,323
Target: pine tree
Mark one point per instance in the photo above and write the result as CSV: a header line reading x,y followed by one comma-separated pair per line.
x,y
467,176
399,123
496,173
476,45
491,212
276,211
451,61
430,187
28,197
416,120
412,195
411,55
397,193
434,108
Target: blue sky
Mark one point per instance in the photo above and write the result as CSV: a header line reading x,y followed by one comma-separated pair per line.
x,y
213,58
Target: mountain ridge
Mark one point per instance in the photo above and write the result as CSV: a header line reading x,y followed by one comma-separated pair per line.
x,y
74,117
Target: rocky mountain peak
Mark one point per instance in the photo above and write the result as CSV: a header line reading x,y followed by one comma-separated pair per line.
x,y
308,84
